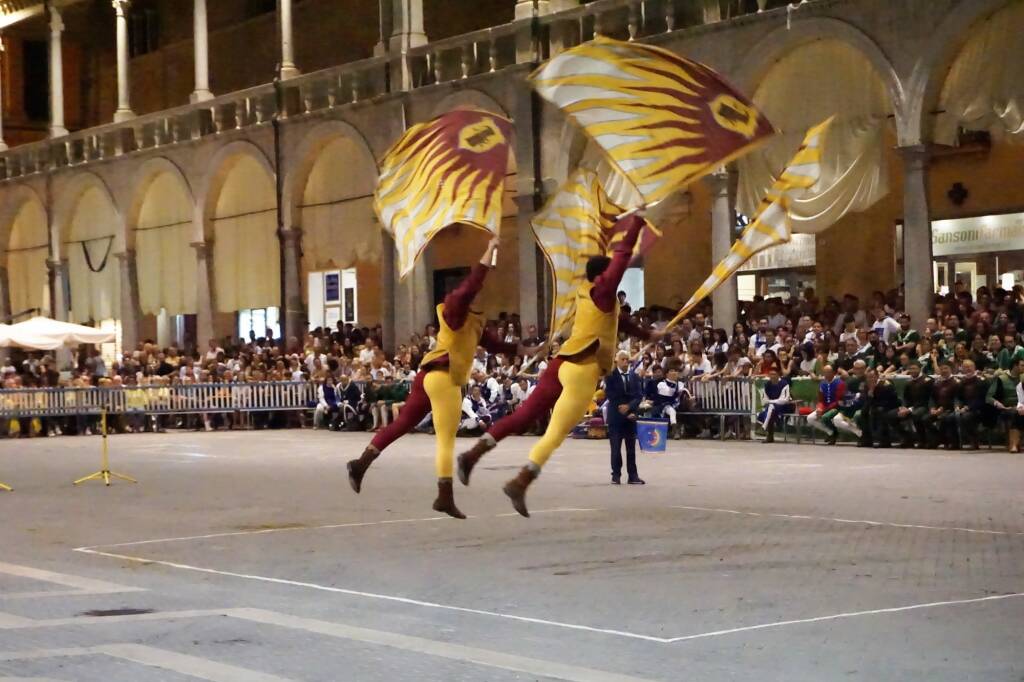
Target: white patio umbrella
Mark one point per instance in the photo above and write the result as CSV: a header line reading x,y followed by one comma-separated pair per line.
x,y
42,333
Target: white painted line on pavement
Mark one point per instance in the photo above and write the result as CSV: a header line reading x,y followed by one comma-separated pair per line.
x,y
370,595
860,522
285,529
191,666
851,614
430,647
83,586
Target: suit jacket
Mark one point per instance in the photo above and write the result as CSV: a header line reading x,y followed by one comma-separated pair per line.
x,y
622,392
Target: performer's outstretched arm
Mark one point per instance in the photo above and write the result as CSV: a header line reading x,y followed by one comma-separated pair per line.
x,y
607,283
457,302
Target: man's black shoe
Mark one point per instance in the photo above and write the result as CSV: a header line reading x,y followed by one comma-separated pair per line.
x,y
636,481
615,480
832,438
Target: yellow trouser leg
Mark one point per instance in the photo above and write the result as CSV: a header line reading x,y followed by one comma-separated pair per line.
x,y
446,407
578,384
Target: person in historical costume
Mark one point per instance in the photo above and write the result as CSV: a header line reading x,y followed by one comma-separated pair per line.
x,y
568,383
777,403
437,388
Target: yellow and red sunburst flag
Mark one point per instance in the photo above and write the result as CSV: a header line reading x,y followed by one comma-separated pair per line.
x,y
772,223
662,120
448,170
577,222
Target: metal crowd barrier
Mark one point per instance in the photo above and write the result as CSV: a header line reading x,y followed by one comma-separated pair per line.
x,y
724,396
183,399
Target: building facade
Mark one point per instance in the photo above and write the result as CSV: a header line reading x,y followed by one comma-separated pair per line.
x,y
218,172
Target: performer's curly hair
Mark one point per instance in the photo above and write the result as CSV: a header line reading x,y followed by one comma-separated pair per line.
x,y
596,265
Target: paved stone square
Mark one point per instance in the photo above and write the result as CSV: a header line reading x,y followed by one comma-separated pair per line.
x,y
245,556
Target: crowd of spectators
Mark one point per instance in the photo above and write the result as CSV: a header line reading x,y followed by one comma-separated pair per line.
x,y
969,339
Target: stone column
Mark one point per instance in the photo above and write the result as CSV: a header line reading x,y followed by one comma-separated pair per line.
x,y
124,110
387,291
3,145
288,68
529,292
294,317
59,305
724,298
5,306
202,58
918,280
130,314
163,329
57,128
204,293
406,32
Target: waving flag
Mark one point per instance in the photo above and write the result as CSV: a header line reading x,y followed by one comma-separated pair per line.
x,y
449,170
578,222
771,223
662,120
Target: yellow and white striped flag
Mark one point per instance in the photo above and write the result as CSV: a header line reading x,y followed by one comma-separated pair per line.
x,y
662,120
771,223
576,223
449,170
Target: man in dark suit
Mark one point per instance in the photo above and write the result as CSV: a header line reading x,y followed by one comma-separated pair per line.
x,y
624,391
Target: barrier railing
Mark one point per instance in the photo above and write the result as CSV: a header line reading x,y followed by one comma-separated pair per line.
x,y
724,395
184,399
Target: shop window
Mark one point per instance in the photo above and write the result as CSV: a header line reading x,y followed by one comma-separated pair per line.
x,y
254,323
36,77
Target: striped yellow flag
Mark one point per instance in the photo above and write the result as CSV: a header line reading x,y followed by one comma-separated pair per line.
x,y
449,170
576,223
663,121
771,223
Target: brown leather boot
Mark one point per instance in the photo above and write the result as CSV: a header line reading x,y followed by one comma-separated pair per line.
x,y
1014,440
357,467
445,501
467,460
516,488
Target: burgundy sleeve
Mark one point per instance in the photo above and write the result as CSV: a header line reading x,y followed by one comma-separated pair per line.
x,y
492,344
456,303
607,283
627,325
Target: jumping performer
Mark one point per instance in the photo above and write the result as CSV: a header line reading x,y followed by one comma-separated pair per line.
x,y
568,383
437,387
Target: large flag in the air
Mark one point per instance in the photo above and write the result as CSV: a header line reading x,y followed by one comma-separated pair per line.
x,y
449,170
772,223
662,120
576,223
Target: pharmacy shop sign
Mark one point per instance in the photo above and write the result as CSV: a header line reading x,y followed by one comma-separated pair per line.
x,y
987,234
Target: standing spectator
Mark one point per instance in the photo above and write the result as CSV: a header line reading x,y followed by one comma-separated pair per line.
x,y
624,393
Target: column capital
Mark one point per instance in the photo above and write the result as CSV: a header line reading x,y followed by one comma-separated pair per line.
x,y
120,6
290,236
126,256
56,22
202,248
54,265
718,182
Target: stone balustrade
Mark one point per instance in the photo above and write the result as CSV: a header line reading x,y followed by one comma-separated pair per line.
x,y
481,52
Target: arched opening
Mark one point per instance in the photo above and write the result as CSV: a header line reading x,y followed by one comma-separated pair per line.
x,y
341,241
165,261
28,279
246,251
91,241
815,80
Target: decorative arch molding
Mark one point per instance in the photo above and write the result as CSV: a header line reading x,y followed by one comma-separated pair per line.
x,y
306,154
149,171
924,83
469,97
219,167
66,203
14,200
782,41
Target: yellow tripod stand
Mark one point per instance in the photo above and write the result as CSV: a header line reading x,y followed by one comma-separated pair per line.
x,y
105,474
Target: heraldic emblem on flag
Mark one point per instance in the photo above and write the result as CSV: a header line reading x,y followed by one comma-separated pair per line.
x,y
577,222
771,223
662,120
449,170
